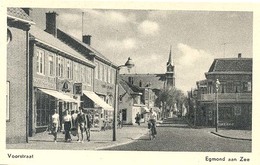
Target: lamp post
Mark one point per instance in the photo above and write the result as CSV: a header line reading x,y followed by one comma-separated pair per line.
x,y
217,88
129,64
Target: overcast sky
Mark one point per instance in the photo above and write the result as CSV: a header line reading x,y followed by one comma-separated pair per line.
x,y
196,37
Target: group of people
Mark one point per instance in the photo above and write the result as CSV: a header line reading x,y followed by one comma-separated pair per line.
x,y
78,123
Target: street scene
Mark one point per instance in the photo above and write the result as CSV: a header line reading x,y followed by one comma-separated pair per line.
x,y
129,80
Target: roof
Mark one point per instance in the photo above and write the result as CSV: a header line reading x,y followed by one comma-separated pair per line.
x,y
231,65
55,43
98,54
129,88
18,13
154,81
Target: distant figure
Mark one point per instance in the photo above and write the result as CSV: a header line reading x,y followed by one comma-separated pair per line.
x,y
138,118
75,126
55,120
152,117
88,125
81,119
67,121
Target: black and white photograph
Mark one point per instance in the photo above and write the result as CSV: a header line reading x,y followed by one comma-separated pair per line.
x,y
158,81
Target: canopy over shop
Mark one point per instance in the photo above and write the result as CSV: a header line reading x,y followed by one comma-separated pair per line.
x,y
102,112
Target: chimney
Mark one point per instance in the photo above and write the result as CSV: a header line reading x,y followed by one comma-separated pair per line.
x,y
86,39
51,23
27,10
239,55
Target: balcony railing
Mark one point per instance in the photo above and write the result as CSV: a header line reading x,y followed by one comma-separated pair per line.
x,y
226,97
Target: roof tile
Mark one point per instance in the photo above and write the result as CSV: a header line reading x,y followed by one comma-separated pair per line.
x,y
19,13
231,65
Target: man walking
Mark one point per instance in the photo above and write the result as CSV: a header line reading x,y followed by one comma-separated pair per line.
x,y
81,120
55,120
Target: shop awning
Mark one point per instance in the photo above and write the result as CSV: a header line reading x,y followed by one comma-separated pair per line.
x,y
96,99
58,95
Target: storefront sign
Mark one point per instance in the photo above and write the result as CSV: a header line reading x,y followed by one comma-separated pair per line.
x,y
77,89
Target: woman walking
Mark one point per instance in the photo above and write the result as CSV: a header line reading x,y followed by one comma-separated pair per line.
x,y
67,125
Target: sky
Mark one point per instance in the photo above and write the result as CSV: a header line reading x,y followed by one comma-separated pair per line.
x,y
195,37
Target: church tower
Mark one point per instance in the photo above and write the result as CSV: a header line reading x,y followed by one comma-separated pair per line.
x,y
170,77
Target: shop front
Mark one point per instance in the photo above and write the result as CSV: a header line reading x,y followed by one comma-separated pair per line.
x,y
101,112
46,100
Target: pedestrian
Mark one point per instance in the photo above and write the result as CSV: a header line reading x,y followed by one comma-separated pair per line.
x,y
88,125
152,117
138,118
81,119
55,120
67,120
75,126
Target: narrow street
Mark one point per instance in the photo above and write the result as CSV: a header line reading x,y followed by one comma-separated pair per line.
x,y
175,135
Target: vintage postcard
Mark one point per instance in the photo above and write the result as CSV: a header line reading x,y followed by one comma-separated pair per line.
x,y
108,82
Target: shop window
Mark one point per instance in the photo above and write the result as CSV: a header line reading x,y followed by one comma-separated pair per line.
x,y
40,61
230,88
76,72
51,64
109,75
97,70
247,86
69,69
105,73
60,64
101,72
44,107
237,86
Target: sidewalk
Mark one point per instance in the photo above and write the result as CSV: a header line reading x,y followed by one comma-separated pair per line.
x,y
99,140
234,134
226,133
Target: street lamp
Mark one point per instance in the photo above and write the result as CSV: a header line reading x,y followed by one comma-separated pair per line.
x,y
217,88
129,64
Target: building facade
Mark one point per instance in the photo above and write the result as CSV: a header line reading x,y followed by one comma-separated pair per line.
x,y
17,89
101,99
130,102
56,69
233,94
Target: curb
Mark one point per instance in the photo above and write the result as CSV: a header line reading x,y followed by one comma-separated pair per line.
x,y
131,140
230,137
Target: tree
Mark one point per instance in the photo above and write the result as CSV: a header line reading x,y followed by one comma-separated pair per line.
x,y
172,97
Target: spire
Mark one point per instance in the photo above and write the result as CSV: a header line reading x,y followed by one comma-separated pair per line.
x,y
170,57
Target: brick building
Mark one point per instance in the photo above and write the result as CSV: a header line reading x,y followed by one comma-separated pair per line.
x,y
55,69
17,89
234,94
100,100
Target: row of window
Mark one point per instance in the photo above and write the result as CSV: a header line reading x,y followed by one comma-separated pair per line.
x,y
232,87
62,67
104,73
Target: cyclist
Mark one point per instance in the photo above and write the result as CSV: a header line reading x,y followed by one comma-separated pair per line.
x,y
152,116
